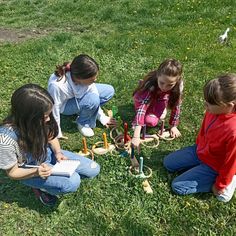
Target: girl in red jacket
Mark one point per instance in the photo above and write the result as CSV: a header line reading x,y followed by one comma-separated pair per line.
x,y
210,164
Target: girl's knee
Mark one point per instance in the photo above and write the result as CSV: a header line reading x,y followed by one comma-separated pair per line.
x,y
167,163
151,120
92,101
94,170
72,184
110,91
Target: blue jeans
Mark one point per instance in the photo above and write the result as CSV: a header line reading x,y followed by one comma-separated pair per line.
x,y
57,185
197,176
88,105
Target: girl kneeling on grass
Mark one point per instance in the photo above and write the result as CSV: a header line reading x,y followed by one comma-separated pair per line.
x,y
73,90
210,164
161,88
28,135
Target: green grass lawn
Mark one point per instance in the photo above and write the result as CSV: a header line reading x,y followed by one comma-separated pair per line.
x,y
128,39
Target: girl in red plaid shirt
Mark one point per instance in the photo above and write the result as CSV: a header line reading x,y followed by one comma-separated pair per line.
x,y
161,88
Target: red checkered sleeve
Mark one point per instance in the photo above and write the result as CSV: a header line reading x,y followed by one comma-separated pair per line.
x,y
141,104
175,114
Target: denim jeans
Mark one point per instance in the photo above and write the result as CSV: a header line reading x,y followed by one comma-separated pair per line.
x,y
88,105
197,176
57,185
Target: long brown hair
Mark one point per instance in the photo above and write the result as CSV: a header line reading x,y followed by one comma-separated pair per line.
x,y
82,67
169,67
29,104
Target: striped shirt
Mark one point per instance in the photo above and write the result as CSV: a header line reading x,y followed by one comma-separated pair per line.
x,y
10,153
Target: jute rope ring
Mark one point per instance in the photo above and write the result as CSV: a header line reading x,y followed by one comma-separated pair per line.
x,y
118,139
98,148
114,133
165,136
153,141
142,175
89,153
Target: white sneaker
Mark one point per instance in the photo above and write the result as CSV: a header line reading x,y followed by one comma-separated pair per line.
x,y
228,192
85,130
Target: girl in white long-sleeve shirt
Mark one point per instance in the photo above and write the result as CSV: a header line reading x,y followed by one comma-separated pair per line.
x,y
74,92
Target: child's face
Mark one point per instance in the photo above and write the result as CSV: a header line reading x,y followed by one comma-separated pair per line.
x,y
219,109
85,81
166,83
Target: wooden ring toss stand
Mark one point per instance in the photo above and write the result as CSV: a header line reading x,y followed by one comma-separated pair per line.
x,y
87,154
147,172
85,151
164,134
121,141
101,148
138,170
118,139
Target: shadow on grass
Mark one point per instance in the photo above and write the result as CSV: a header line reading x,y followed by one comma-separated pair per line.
x,y
15,192
128,225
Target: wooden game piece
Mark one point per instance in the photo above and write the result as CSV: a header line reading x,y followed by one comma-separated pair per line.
x,y
146,186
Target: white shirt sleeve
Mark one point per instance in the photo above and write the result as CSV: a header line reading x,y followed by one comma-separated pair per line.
x,y
58,97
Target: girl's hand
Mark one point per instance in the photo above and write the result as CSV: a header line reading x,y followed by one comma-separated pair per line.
x,y
215,191
174,132
60,156
44,171
111,123
135,142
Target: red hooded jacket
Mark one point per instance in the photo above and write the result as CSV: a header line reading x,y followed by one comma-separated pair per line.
x,y
216,146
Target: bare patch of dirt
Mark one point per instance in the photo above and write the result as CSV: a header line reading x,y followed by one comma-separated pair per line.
x,y
15,36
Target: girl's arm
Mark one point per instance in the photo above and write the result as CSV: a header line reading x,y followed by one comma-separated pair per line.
x,y
56,148
174,120
136,138
57,97
141,104
18,173
228,168
175,114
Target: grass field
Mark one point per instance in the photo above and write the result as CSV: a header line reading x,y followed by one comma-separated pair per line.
x,y
128,39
